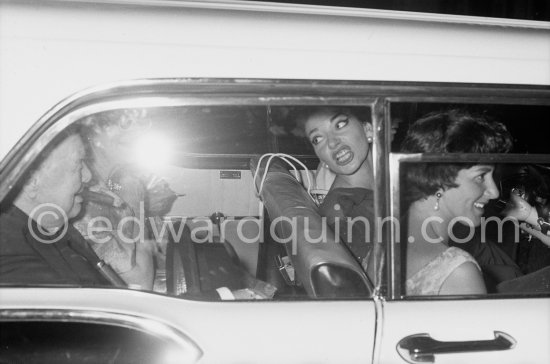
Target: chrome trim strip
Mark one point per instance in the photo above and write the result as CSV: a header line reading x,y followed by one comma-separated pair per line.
x,y
394,254
190,351
379,303
481,99
380,123
470,158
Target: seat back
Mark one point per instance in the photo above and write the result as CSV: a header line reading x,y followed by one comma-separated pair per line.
x,y
325,268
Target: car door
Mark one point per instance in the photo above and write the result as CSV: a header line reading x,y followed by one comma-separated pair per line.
x,y
512,327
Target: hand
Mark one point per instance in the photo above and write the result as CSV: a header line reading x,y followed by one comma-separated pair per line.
x,y
160,197
117,201
132,191
545,239
520,209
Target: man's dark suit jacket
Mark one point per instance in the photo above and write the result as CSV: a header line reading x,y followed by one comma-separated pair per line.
x,y
26,261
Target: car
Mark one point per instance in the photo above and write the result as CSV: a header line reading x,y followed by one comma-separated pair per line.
x,y
199,109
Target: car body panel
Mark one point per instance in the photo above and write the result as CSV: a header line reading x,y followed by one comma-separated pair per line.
x,y
231,332
525,320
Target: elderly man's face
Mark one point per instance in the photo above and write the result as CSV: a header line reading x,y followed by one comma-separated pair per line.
x,y
61,178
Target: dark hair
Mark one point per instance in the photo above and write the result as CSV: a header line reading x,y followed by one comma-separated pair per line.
x,y
301,114
453,131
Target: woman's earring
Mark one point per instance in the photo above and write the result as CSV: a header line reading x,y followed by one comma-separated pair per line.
x,y
369,139
438,195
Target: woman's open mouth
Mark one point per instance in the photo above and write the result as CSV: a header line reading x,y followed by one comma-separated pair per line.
x,y
479,205
343,156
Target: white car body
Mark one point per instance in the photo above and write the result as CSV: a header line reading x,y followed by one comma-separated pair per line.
x,y
51,50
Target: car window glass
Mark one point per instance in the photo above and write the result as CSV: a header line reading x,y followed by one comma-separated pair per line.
x,y
204,129
500,210
163,199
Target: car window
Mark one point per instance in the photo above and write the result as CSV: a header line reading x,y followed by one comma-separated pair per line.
x,y
167,201
207,129
523,121
499,204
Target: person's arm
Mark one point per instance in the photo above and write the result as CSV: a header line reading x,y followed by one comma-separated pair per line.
x,y
544,238
29,269
465,279
142,274
521,210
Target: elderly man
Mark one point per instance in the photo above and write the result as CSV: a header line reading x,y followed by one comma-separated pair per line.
x,y
37,245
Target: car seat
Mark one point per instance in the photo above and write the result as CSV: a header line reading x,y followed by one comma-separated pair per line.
x,y
325,269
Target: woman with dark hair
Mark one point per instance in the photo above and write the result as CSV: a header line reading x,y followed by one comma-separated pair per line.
x,y
343,143
439,195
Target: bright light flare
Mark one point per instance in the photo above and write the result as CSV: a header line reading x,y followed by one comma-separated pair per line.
x,y
152,151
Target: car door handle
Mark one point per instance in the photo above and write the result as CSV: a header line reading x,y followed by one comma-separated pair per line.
x,y
421,348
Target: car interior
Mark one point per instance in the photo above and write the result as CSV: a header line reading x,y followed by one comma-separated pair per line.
x,y
209,156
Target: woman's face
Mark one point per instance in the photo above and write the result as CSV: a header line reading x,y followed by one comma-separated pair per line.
x,y
339,140
476,187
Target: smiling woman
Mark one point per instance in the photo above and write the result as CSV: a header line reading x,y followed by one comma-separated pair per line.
x,y
442,195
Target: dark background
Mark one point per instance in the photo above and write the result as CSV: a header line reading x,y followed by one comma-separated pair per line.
x,y
513,9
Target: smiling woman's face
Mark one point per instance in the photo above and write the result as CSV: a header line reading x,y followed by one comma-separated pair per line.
x,y
476,187
339,140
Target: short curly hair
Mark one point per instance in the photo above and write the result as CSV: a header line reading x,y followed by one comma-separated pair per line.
x,y
453,131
